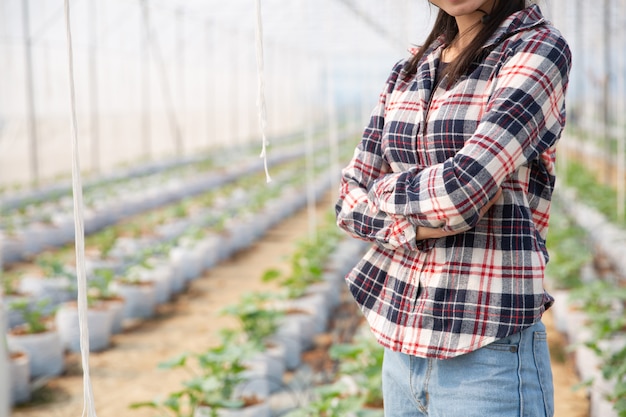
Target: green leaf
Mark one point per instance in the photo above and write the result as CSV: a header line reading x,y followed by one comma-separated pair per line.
x,y
176,362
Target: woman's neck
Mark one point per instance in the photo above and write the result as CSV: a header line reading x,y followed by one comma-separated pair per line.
x,y
469,26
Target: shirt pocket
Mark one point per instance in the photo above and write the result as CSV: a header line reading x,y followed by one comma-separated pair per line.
x,y
399,145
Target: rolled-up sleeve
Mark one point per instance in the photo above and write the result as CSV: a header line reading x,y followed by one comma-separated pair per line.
x,y
523,119
355,213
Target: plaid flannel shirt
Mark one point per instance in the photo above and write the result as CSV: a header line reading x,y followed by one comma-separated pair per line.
x,y
434,159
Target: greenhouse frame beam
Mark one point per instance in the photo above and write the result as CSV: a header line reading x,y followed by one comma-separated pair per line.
x,y
371,22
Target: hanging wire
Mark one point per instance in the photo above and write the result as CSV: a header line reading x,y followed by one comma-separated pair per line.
x,y
261,86
88,404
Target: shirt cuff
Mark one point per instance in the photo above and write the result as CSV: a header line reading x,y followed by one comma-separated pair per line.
x,y
381,193
400,234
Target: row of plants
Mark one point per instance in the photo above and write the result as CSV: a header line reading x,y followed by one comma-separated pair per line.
x,y
357,389
139,277
22,199
35,226
162,229
597,195
589,285
245,375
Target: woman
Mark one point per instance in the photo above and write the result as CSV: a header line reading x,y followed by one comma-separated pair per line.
x,y
452,180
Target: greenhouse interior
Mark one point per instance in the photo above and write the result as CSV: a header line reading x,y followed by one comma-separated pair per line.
x,y
169,178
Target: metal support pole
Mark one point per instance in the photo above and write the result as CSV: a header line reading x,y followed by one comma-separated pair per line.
x,y
606,92
165,85
210,84
307,69
333,134
30,94
93,88
180,48
146,133
218,92
234,87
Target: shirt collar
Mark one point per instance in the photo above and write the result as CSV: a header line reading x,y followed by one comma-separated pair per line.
x,y
520,21
526,19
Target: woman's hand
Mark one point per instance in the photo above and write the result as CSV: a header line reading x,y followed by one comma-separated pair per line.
x,y
432,233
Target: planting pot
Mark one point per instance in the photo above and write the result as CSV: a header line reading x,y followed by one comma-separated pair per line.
x,y
271,363
289,339
187,261
346,255
560,309
34,238
240,235
576,322
300,326
329,292
600,405
586,360
198,254
13,317
601,389
44,350
139,298
99,321
171,230
12,249
93,264
261,409
255,383
159,272
19,372
56,290
126,249
116,306
62,231
315,304
177,281
209,246
5,369
336,279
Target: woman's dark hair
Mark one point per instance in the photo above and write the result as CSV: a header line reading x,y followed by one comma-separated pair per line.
x,y
446,25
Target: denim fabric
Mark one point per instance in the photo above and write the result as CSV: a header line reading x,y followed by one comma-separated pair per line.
x,y
508,378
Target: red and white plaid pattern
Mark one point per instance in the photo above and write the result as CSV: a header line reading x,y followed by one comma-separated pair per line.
x,y
435,159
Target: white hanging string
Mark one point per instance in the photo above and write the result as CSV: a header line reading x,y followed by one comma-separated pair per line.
x,y
261,86
88,404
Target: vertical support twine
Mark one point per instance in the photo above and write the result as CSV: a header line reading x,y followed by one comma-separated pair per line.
x,y
88,404
261,87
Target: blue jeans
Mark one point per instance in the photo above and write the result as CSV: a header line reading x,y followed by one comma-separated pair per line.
x,y
508,378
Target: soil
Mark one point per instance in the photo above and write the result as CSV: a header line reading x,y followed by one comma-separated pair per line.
x,y
127,372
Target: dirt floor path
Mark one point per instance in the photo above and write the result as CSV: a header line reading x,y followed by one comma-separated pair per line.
x,y
127,372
